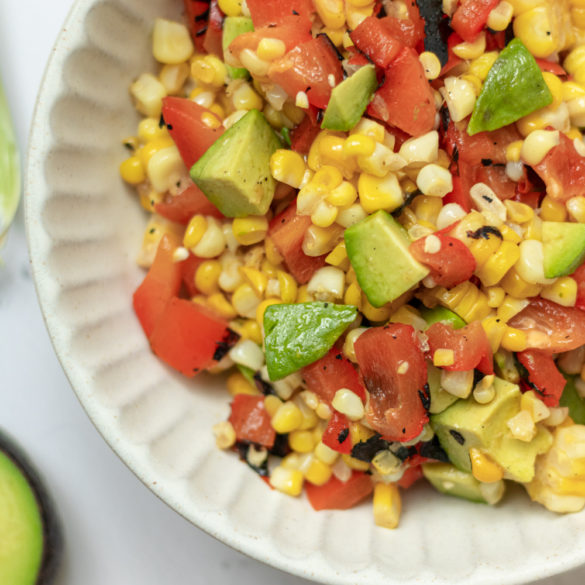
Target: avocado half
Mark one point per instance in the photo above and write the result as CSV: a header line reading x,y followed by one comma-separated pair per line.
x,y
31,540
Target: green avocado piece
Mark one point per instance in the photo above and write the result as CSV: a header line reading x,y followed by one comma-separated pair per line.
x,y
571,399
350,99
514,87
234,26
377,248
449,480
440,399
468,424
234,173
440,314
564,247
296,335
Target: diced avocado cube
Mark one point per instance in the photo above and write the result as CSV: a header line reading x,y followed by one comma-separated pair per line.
x,y
564,247
440,314
234,26
234,173
440,399
350,99
377,248
452,481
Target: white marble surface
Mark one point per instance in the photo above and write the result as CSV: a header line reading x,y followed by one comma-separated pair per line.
x,y
116,531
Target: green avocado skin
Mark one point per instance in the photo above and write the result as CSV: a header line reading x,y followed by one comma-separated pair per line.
x,y
234,173
449,480
234,26
514,88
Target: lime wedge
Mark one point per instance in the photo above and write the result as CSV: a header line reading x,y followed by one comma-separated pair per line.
x,y
9,168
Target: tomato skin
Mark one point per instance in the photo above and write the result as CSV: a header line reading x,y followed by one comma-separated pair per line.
x,y
395,408
161,283
191,135
303,135
375,39
188,269
551,327
411,475
406,99
182,207
579,276
339,495
451,265
275,12
471,17
336,434
330,373
563,170
287,231
543,375
186,336
251,421
212,39
196,15
470,345
307,68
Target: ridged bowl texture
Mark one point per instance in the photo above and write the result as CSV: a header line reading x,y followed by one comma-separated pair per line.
x,y
85,229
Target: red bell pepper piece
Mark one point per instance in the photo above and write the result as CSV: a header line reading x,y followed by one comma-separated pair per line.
x,y
339,495
182,207
336,435
543,375
161,283
471,17
251,421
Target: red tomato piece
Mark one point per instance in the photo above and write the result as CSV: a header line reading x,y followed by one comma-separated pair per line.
x,y
551,67
251,421
213,33
470,345
375,39
336,435
161,283
339,495
452,59
458,195
411,475
579,276
452,264
332,372
186,336
287,231
187,129
275,12
563,170
183,206
471,17
551,327
304,135
543,375
307,68
197,14
188,270
406,99
396,407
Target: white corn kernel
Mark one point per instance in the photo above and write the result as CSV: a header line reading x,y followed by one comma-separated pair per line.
x,y
351,215
350,339
256,66
449,214
538,144
434,180
423,149
530,265
148,93
247,353
489,204
557,416
165,167
522,426
288,481
458,384
327,284
301,100
432,244
493,491
212,243
225,435
349,403
171,42
459,95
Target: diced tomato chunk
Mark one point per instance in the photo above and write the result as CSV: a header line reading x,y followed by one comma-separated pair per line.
x,y
543,375
186,336
339,495
336,434
188,269
251,420
471,17
331,373
187,128
303,135
161,283
183,206
213,33
375,39
275,12
287,231
411,475
406,99
197,14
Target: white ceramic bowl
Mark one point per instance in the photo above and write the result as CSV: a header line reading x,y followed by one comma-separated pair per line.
x,y
85,230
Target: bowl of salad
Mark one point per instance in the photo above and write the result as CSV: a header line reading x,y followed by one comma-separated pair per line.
x,y
315,271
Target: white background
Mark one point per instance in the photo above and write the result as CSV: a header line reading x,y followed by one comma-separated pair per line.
x,y
116,531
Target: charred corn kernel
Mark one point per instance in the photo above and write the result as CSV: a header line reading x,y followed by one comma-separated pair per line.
x,y
171,42
207,276
237,384
536,30
173,77
576,208
301,441
514,151
460,96
261,307
245,301
209,70
510,307
497,265
287,166
537,145
434,180
375,314
225,435
563,291
443,357
359,145
331,12
288,287
500,16
153,146
132,170
431,64
287,418
231,7
257,279
354,463
270,49
514,339
518,212
379,193
483,467
272,403
348,403
471,50
338,257
250,229
287,481
495,295
218,303
318,472
522,426
195,231
272,254
552,210
495,330
245,98
481,65
353,295
537,409
149,129
517,287
387,505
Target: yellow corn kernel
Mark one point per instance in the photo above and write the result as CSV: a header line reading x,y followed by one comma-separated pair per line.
x,y
443,357
210,120
271,404
555,85
483,468
237,384
500,16
495,295
294,114
245,300
288,166
338,257
269,268
318,472
509,234
250,229
132,170
251,330
272,254
318,240
288,286
343,195
153,146
195,231
173,77
353,295
474,81
572,91
209,70
301,441
483,249
514,339
287,418
218,111
231,7
245,98
207,276
375,314
471,50
494,329
359,145
518,212
263,306
535,29
552,210
574,63
359,433
324,215
150,129
148,93
431,65
287,481
517,287
379,193
331,12
530,402
387,505
218,303
513,151
510,307
354,463
576,208
257,279
270,49
225,434
563,291
497,265
303,295
171,42
149,198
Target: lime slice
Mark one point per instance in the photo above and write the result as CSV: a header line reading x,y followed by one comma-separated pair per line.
x,y
9,168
